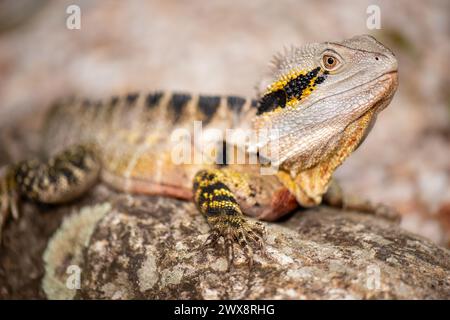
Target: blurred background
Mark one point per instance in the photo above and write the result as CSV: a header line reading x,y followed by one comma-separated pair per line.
x,y
224,47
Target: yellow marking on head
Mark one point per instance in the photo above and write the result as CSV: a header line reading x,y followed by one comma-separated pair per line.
x,y
290,103
277,109
284,79
308,90
282,82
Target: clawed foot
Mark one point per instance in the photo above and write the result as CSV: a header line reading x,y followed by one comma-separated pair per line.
x,y
245,234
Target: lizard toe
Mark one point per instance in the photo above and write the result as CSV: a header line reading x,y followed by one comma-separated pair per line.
x,y
242,234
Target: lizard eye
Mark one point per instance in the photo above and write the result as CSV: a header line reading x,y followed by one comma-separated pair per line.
x,y
330,62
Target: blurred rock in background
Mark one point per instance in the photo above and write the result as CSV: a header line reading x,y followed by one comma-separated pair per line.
x,y
224,47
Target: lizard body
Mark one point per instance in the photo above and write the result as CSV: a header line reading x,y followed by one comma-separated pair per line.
x,y
320,102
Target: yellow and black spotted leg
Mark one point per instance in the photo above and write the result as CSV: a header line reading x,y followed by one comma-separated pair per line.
x,y
218,204
62,178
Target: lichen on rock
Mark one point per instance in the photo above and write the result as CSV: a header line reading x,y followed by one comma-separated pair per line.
x,y
65,249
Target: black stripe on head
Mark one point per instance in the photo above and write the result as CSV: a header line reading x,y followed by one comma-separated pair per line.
x,y
293,89
178,103
235,103
321,78
132,98
271,101
208,105
153,99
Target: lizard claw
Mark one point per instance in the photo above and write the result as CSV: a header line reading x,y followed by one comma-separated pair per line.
x,y
245,234
212,239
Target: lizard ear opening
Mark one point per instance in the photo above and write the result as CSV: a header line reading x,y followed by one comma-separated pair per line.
x,y
271,101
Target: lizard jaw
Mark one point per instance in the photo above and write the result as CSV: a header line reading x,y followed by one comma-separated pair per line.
x,y
384,101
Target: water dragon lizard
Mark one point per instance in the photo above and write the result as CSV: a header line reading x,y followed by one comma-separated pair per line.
x,y
319,104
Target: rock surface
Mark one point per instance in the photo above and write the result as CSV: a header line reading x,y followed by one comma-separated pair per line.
x,y
141,247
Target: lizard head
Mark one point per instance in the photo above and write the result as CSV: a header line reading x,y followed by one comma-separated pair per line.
x,y
317,92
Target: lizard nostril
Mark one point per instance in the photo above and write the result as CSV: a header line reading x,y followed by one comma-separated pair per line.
x,y
376,58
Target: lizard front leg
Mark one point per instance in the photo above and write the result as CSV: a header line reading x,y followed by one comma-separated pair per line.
x,y
216,201
60,179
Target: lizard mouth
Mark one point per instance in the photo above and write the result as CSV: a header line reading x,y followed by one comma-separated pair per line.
x,y
388,79
390,82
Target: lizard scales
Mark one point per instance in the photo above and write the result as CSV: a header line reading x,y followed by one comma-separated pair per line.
x,y
322,99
